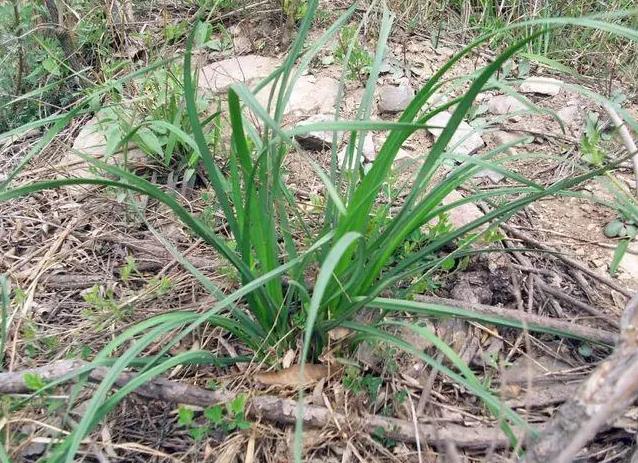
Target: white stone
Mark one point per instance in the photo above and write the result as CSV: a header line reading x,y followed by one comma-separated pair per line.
x,y
464,141
369,150
393,99
91,141
541,86
250,69
505,104
492,175
463,214
629,266
502,137
317,141
569,115
459,216
309,96
368,153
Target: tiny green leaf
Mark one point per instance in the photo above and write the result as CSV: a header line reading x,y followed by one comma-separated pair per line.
x,y
33,381
199,432
237,404
185,416
214,414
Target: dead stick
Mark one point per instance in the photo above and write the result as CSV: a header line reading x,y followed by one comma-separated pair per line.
x,y
531,320
569,261
575,302
629,143
600,400
270,408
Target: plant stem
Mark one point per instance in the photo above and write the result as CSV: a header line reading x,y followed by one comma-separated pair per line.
x,y
18,33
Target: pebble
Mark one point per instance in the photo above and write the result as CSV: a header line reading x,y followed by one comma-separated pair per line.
x,y
541,85
394,99
505,104
465,140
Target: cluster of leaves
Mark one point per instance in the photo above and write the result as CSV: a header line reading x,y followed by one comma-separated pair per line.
x,y
226,418
352,52
157,123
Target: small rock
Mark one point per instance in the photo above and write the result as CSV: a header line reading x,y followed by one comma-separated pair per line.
x,y
570,115
404,155
491,175
503,137
393,99
317,141
415,339
629,266
444,51
33,450
219,76
404,160
310,95
473,287
525,369
541,86
241,41
368,154
460,215
505,104
369,151
368,355
341,159
464,141
489,356
91,141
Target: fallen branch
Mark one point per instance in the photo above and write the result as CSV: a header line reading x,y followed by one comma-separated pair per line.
x,y
272,408
600,400
569,261
531,320
575,302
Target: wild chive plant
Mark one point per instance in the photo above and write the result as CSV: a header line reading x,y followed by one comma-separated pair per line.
x,y
352,256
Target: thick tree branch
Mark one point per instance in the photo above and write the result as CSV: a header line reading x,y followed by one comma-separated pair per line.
x,y
599,401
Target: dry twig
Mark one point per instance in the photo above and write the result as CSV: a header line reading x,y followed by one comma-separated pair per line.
x,y
569,261
531,320
272,408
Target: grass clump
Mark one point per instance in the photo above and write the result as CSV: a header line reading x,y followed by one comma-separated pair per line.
x,y
298,283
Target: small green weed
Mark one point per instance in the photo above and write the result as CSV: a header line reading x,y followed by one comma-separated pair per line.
x,y
103,305
228,418
128,269
590,142
358,65
295,9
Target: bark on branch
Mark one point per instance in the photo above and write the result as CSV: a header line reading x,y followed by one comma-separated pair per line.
x,y
599,401
272,408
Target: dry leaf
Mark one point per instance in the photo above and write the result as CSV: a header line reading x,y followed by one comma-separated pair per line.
x,y
338,333
289,357
291,376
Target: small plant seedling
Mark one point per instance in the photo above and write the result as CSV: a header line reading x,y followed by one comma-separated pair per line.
x,y
33,381
380,436
360,60
228,418
590,142
128,269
